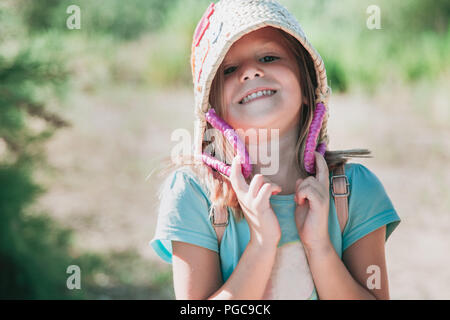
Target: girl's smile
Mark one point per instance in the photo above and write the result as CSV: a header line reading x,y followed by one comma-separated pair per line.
x,y
257,93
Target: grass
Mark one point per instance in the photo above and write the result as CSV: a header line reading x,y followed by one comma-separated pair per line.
x,y
126,275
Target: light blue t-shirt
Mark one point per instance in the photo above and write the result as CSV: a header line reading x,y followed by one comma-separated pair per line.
x,y
184,216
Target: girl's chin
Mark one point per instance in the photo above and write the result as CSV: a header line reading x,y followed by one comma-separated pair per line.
x,y
261,122
257,128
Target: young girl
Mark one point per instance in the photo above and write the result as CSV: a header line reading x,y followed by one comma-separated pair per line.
x,y
230,231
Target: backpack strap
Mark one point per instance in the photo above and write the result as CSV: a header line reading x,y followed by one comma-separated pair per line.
x,y
339,190
219,220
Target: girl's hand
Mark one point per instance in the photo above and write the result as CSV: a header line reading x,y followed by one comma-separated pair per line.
x,y
313,202
254,200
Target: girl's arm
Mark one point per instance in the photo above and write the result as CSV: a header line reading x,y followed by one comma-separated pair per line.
x,y
197,275
331,277
197,270
334,280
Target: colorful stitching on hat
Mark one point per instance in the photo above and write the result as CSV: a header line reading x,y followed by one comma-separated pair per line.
x,y
193,62
203,25
203,61
218,33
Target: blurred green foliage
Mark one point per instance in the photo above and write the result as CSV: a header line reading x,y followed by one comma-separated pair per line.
x,y
124,275
412,44
33,249
36,72
123,20
169,59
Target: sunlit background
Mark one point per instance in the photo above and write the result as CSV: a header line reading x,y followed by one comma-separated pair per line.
x,y
86,115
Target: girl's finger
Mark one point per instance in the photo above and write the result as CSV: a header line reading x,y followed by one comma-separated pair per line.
x,y
303,183
266,191
322,172
310,181
298,182
309,193
237,179
255,185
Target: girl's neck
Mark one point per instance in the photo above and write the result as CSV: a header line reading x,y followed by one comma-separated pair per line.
x,y
287,173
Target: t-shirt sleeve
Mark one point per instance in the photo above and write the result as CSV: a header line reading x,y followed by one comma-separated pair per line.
x,y
183,215
369,206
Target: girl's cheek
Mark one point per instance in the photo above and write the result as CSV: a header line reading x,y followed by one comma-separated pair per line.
x,y
228,92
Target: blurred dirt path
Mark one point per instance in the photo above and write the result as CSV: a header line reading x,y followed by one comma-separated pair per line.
x,y
411,160
100,188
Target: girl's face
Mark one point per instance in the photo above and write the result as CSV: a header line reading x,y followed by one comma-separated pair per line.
x,y
261,63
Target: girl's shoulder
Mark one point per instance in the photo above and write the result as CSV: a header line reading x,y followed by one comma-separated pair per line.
x,y
183,180
370,206
361,177
183,214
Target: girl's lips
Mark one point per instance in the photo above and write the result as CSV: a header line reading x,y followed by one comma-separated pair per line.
x,y
249,92
258,98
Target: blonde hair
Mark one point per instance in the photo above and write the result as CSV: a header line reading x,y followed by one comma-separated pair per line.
x,y
219,189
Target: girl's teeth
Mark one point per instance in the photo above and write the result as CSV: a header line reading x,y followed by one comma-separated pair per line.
x,y
257,95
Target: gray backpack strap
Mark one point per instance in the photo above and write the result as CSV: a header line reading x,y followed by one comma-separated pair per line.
x,y
340,191
219,220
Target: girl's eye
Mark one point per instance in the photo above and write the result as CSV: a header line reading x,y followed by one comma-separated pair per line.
x,y
269,58
265,59
229,70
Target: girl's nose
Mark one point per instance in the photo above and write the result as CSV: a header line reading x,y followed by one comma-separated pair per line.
x,y
250,71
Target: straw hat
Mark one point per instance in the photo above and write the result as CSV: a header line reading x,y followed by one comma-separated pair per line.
x,y
222,24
